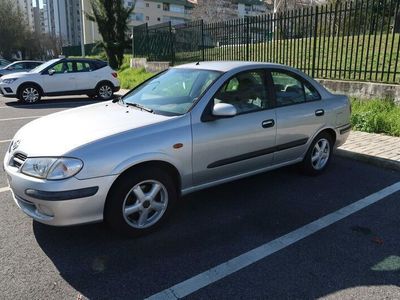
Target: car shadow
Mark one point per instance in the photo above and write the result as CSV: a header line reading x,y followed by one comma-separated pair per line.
x,y
47,103
206,229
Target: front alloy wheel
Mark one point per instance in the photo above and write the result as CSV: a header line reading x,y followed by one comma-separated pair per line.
x,y
140,200
145,204
30,94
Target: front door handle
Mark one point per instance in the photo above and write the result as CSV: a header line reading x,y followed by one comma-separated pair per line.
x,y
319,112
268,123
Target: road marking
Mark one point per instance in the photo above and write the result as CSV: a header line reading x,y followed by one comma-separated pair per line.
x,y
204,279
20,118
4,189
5,141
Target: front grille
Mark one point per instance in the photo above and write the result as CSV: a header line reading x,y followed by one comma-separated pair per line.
x,y
18,159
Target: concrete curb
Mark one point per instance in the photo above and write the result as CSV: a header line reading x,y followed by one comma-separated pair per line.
x,y
373,160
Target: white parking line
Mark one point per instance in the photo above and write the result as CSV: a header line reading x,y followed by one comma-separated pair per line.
x,y
4,189
20,118
5,141
204,279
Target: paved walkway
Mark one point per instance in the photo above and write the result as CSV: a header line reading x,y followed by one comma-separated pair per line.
x,y
382,149
376,148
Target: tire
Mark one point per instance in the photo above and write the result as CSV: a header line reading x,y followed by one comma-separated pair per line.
x,y
105,91
316,161
131,210
29,94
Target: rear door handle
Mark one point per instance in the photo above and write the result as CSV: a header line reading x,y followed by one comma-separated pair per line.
x,y
319,112
268,123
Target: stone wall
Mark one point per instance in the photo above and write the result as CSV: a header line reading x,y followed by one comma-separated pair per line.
x,y
366,90
150,66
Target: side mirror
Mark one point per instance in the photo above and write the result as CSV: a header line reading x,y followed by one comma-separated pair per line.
x,y
51,71
224,110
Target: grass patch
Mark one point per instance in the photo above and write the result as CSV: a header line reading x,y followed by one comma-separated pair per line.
x,y
358,57
376,116
132,77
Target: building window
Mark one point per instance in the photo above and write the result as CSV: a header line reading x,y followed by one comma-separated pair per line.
x,y
177,8
158,19
166,6
147,18
137,17
158,5
147,5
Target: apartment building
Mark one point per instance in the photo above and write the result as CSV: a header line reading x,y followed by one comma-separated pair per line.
x,y
62,18
27,10
250,8
145,11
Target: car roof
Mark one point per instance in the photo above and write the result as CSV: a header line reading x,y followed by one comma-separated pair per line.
x,y
22,61
82,59
225,66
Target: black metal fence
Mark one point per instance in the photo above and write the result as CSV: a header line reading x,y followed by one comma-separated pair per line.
x,y
354,40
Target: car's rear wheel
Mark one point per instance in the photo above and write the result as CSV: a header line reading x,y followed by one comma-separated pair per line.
x,y
105,91
29,94
140,200
319,154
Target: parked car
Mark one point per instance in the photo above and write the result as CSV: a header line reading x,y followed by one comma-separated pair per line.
x,y
4,62
191,127
19,66
62,76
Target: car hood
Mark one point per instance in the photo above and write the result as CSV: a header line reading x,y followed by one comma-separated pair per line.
x,y
59,133
16,75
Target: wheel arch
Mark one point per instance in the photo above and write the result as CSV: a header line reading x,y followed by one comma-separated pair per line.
x,y
103,81
161,164
22,85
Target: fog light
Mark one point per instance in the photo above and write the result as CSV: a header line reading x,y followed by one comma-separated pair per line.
x,y
44,210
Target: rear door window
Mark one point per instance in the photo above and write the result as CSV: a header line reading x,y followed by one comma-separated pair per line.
x,y
289,89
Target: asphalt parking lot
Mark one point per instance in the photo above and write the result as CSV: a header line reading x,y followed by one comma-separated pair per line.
x,y
357,257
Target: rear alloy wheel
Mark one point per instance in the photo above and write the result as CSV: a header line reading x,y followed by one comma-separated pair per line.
x,y
318,155
29,94
140,201
105,91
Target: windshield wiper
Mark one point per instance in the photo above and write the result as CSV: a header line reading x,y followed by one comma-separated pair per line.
x,y
142,107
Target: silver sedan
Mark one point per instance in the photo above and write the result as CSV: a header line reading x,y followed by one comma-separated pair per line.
x,y
191,127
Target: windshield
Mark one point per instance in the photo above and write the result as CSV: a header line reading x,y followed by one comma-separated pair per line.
x,y
43,66
172,92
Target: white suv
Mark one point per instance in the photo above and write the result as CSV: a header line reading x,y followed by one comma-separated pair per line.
x,y
63,76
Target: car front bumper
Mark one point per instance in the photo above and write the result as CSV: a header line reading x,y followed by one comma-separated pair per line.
x,y
60,203
7,90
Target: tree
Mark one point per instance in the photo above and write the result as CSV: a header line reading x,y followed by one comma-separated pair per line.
x,y
213,10
112,20
13,29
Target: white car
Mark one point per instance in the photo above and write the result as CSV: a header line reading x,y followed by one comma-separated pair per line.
x,y
62,76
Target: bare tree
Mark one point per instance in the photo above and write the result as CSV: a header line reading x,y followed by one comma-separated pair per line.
x,y
213,11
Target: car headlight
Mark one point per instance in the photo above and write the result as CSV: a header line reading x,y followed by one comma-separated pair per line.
x,y
51,168
9,81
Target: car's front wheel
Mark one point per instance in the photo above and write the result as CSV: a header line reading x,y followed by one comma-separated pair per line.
x,y
105,91
140,200
319,154
29,94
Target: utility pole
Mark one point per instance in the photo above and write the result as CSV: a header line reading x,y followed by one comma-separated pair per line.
x,y
82,29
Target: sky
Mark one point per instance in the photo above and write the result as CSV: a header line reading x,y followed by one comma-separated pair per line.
x,y
40,3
